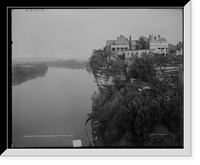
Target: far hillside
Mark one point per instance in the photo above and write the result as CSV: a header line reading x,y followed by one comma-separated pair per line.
x,y
68,63
56,62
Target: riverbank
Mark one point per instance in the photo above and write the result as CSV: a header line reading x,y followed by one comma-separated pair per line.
x,y
68,63
54,104
26,71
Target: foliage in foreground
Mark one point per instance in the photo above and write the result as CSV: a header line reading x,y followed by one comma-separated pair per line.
x,y
130,115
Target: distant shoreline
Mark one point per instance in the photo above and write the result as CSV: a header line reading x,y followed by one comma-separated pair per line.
x,y
66,63
26,71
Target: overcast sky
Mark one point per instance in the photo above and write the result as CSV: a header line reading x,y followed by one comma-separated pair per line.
x,y
73,33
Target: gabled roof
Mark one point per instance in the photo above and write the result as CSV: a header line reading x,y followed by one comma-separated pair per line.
x,y
109,41
125,41
172,47
162,39
157,39
179,45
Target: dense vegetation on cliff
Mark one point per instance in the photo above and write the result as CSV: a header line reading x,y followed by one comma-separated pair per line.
x,y
136,110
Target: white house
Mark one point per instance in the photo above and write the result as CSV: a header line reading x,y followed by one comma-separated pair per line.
x,y
179,52
160,45
119,46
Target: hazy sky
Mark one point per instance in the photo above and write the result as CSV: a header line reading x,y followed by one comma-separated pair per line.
x,y
76,32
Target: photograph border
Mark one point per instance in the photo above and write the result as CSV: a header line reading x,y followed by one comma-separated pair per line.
x,y
7,150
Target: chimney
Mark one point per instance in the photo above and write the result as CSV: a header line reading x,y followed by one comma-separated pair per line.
x,y
158,37
130,44
149,37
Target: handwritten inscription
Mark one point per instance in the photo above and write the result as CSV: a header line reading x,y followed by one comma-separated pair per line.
x,y
34,10
34,136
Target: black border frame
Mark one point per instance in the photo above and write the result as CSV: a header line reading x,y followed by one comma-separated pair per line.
x,y
7,144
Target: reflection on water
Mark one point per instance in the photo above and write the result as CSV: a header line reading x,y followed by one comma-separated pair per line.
x,y
60,65
51,111
68,67
20,79
88,69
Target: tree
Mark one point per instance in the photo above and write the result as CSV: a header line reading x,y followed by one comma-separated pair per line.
x,y
130,115
142,43
103,68
143,68
179,46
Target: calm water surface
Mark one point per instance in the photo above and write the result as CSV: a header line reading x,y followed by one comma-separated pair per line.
x,y
56,104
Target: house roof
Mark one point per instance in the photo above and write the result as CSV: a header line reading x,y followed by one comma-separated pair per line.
x,y
179,45
117,41
172,47
162,39
109,41
156,39
125,41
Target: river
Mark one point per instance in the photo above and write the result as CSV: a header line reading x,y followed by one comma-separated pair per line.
x,y
51,110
